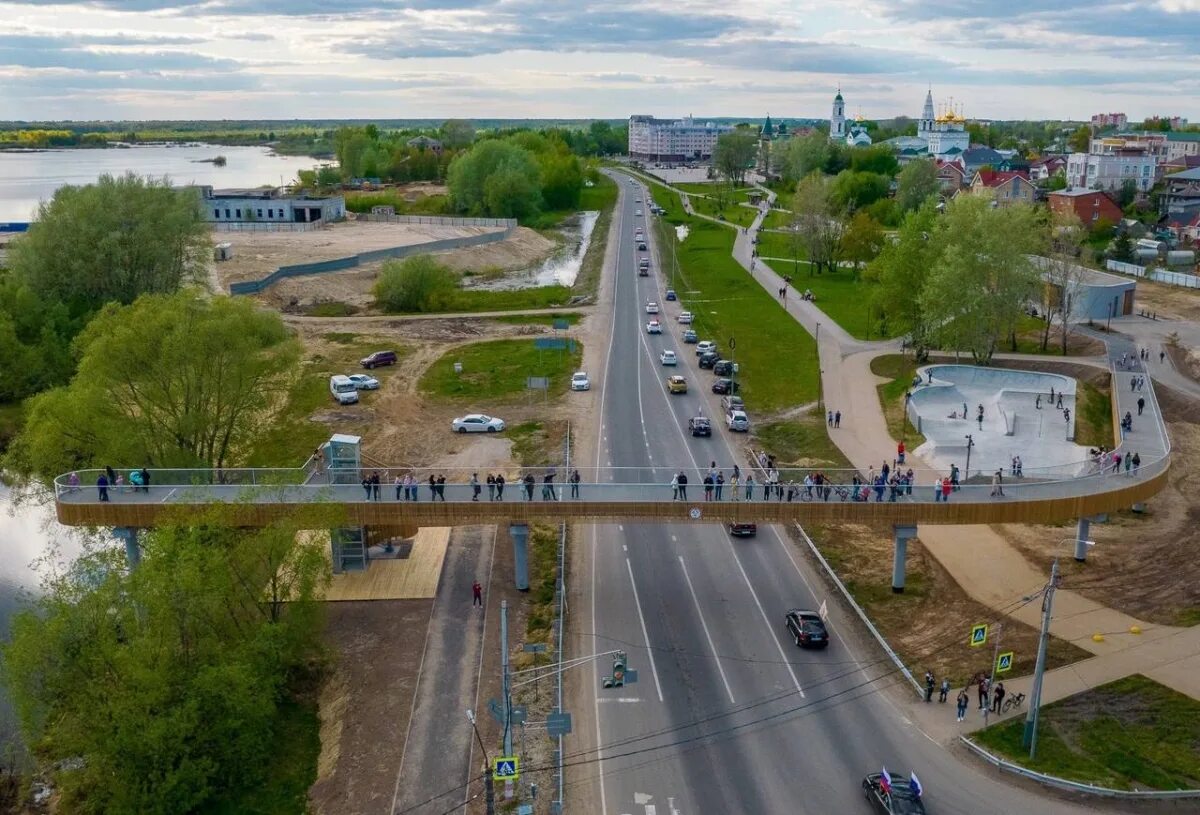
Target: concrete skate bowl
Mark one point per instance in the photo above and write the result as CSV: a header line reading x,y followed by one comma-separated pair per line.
x,y
1019,421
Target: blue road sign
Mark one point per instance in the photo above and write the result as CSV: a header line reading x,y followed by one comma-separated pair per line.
x,y
978,634
1004,662
507,768
561,325
549,343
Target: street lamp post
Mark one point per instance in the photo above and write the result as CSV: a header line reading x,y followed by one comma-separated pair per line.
x,y
488,790
970,444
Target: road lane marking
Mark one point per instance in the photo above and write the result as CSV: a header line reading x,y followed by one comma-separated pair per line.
x,y
167,497
767,622
645,634
712,646
622,700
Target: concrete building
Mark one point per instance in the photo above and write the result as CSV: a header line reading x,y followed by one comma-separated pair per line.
x,y
1095,295
945,134
683,139
1110,170
1088,205
1182,191
837,118
1118,120
270,205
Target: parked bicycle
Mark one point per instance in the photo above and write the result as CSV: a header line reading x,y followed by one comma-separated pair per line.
x,y
1013,702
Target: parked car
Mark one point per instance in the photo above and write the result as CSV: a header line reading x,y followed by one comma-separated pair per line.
x,y
808,631
580,381
731,402
723,367
700,426
709,359
737,421
343,390
668,358
477,423
642,246
676,384
724,385
364,382
654,327
377,359
689,336
743,530
671,295
705,346
902,796
685,317
651,307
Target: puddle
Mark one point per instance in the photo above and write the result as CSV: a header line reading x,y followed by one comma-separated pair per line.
x,y
561,268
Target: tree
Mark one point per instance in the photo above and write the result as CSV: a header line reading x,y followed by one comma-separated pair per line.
x,y
414,285
171,381
877,158
1058,181
862,240
167,680
852,189
562,179
901,271
1127,194
471,170
816,222
917,183
1122,248
805,155
1080,139
456,134
112,241
1062,276
734,154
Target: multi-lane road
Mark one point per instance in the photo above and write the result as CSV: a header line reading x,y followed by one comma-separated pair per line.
x,y
727,715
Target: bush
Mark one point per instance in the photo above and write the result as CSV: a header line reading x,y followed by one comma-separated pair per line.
x,y
416,285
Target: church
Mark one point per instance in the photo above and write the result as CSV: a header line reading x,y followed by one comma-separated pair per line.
x,y
940,135
855,134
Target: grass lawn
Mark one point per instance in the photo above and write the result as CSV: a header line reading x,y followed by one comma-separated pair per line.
x,y
801,442
362,201
899,369
543,573
777,219
571,317
669,200
776,356
1029,340
590,198
601,197
1093,418
535,444
493,370
777,245
471,300
732,213
1130,734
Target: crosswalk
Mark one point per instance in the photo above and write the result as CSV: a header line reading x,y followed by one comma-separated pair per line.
x,y
647,806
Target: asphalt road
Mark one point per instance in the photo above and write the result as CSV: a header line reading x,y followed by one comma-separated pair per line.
x,y
727,715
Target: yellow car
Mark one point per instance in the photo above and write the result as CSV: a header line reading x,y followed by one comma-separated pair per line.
x,y
676,384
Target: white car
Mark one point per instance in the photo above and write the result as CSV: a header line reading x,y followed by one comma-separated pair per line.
x,y
477,423
363,382
653,327
639,212
637,200
738,421
704,346
668,358
685,317
580,381
651,307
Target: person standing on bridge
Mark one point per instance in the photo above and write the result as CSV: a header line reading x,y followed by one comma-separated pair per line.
x,y
441,487
499,486
719,483
102,487
947,485
145,480
476,594
491,484
683,479
432,487
528,481
548,493
375,486
675,486
733,487
574,479
366,485
400,484
937,491
475,488
749,486
1128,463
708,487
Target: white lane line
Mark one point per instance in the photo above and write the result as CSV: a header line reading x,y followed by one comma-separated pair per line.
x,y
622,700
167,497
767,623
712,646
645,634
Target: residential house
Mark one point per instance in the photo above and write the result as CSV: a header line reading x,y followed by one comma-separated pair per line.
x,y
1176,165
976,158
1046,168
1112,169
1183,226
1011,187
425,143
951,176
1090,206
1182,191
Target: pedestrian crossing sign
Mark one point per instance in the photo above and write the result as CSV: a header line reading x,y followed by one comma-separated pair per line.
x,y
506,768
978,634
1004,662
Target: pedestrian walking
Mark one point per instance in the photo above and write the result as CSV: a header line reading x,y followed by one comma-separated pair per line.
x,y
111,475
900,452
1161,354
475,488
944,691
102,487
1141,383
998,696
1128,463
937,490
829,419
548,493
1067,415
683,481
964,699
145,480
476,594
441,485
929,686
1038,402
1137,461
837,419
499,486
491,485
1141,404
1132,383
574,479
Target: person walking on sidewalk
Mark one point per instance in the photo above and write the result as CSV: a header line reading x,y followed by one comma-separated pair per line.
x,y
964,699
476,594
944,690
998,696
929,686
983,692
1141,404
837,419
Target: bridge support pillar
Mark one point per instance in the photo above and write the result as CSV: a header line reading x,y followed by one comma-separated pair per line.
x,y
903,535
133,550
1081,536
520,539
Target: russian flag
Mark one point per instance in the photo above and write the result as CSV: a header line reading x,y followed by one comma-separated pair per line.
x,y
914,784
885,782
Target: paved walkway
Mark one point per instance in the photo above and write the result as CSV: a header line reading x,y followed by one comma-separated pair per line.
x,y
991,570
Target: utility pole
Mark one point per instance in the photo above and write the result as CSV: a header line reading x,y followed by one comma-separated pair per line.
x,y
820,407
967,471
506,690
489,792
1035,694
987,700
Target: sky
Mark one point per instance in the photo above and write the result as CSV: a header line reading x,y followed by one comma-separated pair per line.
x,y
281,59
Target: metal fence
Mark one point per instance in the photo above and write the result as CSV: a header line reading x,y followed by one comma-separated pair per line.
x,y
267,226
1189,281
436,220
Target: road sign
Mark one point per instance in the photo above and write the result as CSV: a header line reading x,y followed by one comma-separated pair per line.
x,y
507,768
534,647
561,325
559,724
537,383
694,513
978,635
1004,662
549,343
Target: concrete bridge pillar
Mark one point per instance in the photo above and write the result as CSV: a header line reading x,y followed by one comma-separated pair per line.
x,y
1081,536
520,539
133,551
903,535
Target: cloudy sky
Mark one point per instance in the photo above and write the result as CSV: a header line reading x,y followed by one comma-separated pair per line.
x,y
274,59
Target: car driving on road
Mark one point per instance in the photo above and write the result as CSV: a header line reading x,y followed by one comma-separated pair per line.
x,y
897,796
668,358
580,381
743,530
808,630
654,327
676,384
700,426
477,423
651,307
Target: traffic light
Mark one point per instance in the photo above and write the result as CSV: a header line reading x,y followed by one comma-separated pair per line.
x,y
618,670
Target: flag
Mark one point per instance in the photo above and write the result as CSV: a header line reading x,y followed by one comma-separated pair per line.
x,y
885,782
914,784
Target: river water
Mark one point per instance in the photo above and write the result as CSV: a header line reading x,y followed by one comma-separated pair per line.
x,y
561,268
29,177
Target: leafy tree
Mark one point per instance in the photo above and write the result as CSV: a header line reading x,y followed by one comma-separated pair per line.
x,y
1058,181
176,380
884,211
111,242
1063,275
877,158
1127,194
816,221
562,180
802,156
1122,248
862,240
511,193
457,133
414,285
852,189
917,183
1102,228
470,172
901,271
166,680
734,154
1080,139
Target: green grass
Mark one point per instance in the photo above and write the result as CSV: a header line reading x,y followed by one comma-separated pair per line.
x,y
731,213
495,370
590,198
900,370
424,205
509,299
1093,419
1187,617
776,245
543,574
1130,734
571,317
802,442
777,219
601,197
669,201
776,356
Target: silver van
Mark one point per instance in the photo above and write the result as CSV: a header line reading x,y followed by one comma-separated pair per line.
x,y
342,389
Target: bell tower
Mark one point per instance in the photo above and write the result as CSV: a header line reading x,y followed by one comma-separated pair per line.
x,y
837,121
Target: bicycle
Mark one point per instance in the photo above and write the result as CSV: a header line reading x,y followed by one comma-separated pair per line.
x,y
1012,703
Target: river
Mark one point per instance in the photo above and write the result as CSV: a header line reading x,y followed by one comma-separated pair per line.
x,y
29,177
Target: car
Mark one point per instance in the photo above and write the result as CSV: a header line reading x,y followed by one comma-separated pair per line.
x,y
690,337
637,200
668,358
377,359
477,423
580,381
723,367
638,212
676,384
709,359
685,318
737,421
808,631
654,327
671,295
705,347
700,426
342,390
643,271
363,382
724,385
642,246
651,307
731,401
901,797
743,530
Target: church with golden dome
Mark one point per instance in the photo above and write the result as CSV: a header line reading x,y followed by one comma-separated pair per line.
x,y
944,134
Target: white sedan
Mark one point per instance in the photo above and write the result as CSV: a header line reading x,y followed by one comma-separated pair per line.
x,y
668,358
685,317
363,382
651,307
580,381
653,327
477,423
639,212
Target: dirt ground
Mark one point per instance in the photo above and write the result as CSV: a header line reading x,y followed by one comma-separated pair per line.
x,y
1143,564
1175,302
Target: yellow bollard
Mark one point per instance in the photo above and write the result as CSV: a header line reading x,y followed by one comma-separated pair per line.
x,y
1097,637
1135,629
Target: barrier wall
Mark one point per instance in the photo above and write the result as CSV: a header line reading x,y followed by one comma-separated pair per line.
x,y
266,226
1189,281
435,220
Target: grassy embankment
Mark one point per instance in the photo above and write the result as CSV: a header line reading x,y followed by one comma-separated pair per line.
x,y
362,201
1130,734
900,370
498,369
571,318
777,219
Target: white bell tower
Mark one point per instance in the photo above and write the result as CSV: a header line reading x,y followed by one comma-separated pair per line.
x,y
837,121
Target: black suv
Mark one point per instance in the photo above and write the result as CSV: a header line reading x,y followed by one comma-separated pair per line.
x,y
700,426
807,629
378,358
723,367
724,385
899,797
743,530
710,359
